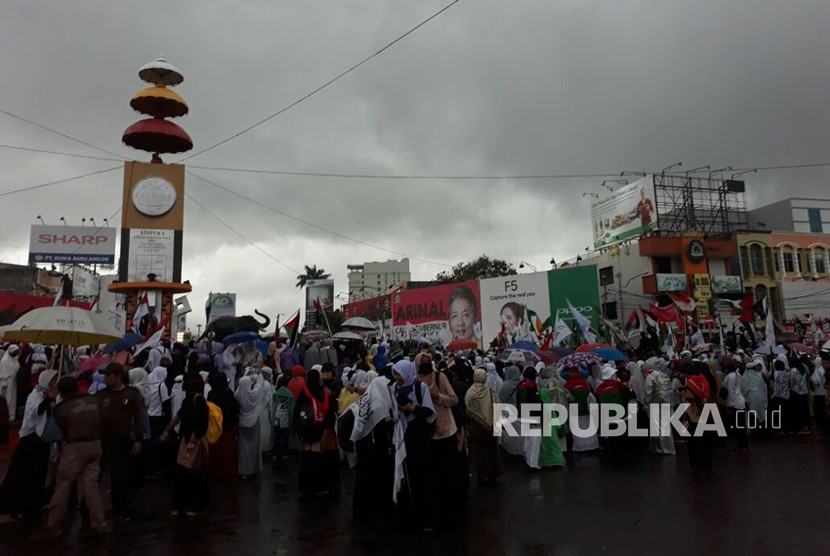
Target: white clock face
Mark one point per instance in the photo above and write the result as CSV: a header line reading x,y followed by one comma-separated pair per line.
x,y
154,196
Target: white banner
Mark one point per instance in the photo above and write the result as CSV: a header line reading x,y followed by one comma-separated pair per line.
x,y
71,244
151,252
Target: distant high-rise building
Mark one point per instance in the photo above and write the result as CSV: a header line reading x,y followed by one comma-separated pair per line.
x,y
375,278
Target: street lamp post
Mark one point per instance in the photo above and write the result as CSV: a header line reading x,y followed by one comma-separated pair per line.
x,y
523,264
198,330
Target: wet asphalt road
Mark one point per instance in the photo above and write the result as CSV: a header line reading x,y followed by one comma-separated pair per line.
x,y
771,500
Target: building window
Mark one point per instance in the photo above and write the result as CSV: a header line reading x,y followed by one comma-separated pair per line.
x,y
606,276
789,261
756,260
662,265
610,310
744,261
771,268
819,258
814,215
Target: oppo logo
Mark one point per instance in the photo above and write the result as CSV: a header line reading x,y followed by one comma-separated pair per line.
x,y
567,311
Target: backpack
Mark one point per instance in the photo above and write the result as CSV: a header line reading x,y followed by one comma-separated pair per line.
x,y
214,430
309,425
345,425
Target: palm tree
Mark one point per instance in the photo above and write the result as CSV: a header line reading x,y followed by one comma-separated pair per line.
x,y
311,273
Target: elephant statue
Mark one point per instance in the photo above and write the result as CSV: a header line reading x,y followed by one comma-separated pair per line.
x,y
225,326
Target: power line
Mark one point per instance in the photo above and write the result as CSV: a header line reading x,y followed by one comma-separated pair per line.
x,y
56,132
406,177
64,180
307,223
251,243
324,85
61,153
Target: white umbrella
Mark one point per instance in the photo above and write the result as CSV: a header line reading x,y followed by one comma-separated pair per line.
x,y
358,323
62,325
346,335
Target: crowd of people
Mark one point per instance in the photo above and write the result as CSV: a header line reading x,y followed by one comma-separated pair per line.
x,y
413,423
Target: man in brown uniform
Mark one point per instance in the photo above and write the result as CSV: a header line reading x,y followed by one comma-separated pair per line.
x,y
80,422
121,414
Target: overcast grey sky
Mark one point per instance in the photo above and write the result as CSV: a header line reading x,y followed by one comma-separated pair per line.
x,y
491,87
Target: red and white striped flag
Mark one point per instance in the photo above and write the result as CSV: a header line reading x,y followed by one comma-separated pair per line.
x,y
141,311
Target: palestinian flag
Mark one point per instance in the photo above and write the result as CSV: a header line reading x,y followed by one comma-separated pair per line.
x,y
744,307
536,323
634,321
649,318
292,328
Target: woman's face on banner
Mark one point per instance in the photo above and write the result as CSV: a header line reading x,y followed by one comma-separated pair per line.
x,y
462,319
510,319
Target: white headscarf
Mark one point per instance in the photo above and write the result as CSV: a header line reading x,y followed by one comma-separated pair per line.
x,y
608,372
370,377
250,398
32,421
359,379
177,395
493,378
375,405
637,384
139,381
9,365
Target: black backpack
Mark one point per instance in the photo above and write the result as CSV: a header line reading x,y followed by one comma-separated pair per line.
x,y
308,429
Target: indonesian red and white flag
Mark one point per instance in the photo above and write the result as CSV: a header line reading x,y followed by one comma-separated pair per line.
x,y
683,301
95,301
154,337
141,311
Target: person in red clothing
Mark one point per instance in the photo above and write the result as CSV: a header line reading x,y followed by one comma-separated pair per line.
x,y
580,390
644,208
297,383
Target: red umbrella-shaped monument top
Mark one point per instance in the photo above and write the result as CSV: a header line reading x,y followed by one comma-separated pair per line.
x,y
157,136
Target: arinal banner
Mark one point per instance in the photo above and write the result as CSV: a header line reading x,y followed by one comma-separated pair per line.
x,y
580,286
440,313
71,244
220,305
628,212
516,306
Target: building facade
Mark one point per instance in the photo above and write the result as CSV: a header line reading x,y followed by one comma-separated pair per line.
x,y
793,215
376,278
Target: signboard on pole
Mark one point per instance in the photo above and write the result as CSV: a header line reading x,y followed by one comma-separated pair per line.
x,y
71,244
220,305
151,252
626,213
314,290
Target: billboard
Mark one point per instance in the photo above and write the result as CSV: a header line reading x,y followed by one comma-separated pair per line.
x,y
726,284
439,313
672,283
514,303
580,286
84,283
220,305
626,213
314,290
71,244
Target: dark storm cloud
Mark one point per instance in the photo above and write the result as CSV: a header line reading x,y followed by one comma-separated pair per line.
x,y
491,87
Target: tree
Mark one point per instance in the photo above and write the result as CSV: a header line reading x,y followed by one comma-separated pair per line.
x,y
311,273
482,267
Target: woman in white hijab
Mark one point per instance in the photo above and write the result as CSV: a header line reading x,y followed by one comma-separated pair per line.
x,y
494,381
251,401
22,491
176,397
9,366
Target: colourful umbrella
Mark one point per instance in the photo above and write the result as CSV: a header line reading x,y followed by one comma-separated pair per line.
x,y
589,347
610,354
798,346
525,345
548,357
526,358
462,344
94,362
580,359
